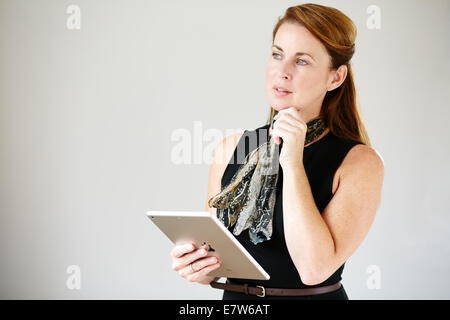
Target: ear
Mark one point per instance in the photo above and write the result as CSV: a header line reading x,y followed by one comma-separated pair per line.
x,y
337,77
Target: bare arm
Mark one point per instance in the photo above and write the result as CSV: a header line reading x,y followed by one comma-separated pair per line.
x,y
319,244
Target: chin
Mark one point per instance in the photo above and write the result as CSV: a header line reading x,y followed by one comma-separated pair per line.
x,y
280,107
281,103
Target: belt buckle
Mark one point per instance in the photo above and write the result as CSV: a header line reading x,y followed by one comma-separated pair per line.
x,y
263,292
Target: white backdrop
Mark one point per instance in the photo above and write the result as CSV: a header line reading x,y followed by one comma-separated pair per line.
x,y
88,116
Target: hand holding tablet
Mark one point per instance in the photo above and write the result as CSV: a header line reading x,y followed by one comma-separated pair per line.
x,y
192,263
193,232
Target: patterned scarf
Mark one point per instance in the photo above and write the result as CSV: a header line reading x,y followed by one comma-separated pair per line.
x,y
248,201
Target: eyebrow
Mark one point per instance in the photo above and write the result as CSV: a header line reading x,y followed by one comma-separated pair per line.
x,y
297,54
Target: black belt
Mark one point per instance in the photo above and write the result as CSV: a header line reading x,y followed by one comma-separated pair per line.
x,y
261,291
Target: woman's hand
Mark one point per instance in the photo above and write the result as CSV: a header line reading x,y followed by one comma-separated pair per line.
x,y
290,127
193,264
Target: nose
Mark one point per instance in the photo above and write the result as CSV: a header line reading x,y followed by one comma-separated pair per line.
x,y
284,72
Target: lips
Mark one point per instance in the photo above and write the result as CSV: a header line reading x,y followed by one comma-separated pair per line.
x,y
281,89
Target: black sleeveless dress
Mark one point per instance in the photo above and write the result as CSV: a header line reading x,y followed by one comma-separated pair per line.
x,y
321,160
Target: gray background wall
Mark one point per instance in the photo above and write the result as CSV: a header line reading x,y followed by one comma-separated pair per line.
x,y
87,117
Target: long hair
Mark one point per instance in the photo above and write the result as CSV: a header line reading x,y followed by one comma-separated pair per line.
x,y
337,33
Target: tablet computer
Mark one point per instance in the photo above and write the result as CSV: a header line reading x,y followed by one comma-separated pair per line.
x,y
203,227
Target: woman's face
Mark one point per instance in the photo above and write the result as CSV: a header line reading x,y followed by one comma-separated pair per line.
x,y
307,76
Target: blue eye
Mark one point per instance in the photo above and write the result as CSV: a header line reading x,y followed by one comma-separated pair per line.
x,y
274,54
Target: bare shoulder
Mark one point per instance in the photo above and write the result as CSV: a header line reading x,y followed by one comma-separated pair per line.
x,y
363,156
363,162
224,150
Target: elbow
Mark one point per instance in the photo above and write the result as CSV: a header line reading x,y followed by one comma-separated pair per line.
x,y
311,278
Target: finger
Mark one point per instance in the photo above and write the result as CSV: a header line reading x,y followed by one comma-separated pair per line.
x,y
197,276
188,258
210,268
181,250
292,120
280,133
204,262
185,271
288,123
197,265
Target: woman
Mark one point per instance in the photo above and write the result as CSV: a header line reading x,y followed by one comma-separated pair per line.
x,y
329,188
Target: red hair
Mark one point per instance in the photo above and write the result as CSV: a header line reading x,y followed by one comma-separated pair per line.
x,y
337,33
